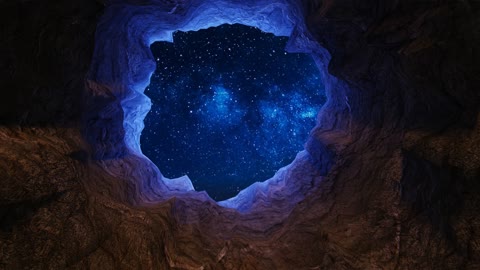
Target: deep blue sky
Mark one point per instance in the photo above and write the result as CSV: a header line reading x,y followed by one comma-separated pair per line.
x,y
230,107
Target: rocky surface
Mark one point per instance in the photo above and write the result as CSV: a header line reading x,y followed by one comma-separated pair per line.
x,y
390,178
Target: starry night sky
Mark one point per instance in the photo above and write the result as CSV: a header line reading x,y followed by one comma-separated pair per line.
x,y
230,107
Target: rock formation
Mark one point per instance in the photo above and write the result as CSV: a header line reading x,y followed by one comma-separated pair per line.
x,y
389,179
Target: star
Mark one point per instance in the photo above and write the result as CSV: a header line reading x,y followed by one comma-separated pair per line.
x,y
229,107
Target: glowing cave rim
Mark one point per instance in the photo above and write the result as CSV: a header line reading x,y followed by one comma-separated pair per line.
x,y
128,66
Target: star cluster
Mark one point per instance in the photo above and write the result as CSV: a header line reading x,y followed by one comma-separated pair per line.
x,y
230,107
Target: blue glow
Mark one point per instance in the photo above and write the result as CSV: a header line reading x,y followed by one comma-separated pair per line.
x,y
309,113
230,107
221,106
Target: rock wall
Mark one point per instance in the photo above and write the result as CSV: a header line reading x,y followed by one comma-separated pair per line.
x,y
389,179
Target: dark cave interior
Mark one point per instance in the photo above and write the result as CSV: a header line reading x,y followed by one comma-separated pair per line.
x,y
388,179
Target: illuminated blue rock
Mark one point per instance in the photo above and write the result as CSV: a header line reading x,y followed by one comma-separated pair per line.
x,y
179,184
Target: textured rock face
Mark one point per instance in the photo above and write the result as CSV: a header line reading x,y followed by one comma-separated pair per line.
x,y
389,179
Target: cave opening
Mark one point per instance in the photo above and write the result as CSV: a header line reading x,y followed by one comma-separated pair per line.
x,y
123,67
230,106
